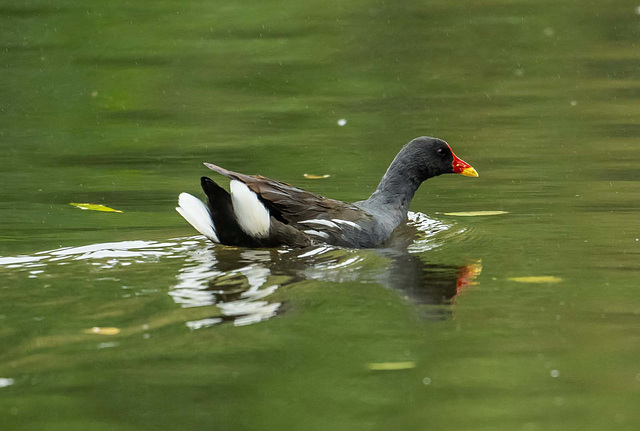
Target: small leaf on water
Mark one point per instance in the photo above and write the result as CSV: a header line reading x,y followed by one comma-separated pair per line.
x,y
316,177
102,331
475,213
541,279
95,207
390,366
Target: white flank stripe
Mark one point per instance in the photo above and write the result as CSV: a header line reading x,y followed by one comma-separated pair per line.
x,y
316,232
320,221
197,214
252,216
348,223
315,251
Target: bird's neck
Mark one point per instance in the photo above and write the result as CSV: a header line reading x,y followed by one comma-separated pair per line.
x,y
394,193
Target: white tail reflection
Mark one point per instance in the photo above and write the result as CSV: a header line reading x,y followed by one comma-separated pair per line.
x,y
241,283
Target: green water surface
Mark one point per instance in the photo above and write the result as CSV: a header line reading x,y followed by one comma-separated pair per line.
x,y
119,102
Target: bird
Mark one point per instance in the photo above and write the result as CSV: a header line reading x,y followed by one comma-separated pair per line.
x,y
263,213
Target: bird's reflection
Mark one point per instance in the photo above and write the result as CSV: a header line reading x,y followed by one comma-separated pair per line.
x,y
240,281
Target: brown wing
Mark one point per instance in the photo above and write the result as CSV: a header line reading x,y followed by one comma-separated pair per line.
x,y
291,204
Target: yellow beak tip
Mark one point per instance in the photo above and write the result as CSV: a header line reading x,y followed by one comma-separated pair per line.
x,y
469,172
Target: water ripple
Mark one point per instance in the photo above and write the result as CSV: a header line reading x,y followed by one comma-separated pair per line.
x,y
241,282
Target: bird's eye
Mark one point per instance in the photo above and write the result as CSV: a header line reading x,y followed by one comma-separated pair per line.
x,y
441,152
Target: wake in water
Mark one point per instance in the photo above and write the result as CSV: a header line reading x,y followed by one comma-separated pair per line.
x,y
240,282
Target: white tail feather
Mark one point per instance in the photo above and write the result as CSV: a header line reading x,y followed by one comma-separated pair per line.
x,y
252,216
197,214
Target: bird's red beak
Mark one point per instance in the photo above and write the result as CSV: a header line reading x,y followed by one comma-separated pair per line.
x,y
462,167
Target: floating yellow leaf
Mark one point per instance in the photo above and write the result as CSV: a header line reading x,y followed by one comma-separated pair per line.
x,y
541,279
390,366
316,177
95,207
102,331
475,213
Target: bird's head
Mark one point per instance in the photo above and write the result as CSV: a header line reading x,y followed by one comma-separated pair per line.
x,y
435,157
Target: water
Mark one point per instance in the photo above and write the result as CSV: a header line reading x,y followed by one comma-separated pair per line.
x,y
120,321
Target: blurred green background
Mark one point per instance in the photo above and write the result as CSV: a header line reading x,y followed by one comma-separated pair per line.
x,y
119,103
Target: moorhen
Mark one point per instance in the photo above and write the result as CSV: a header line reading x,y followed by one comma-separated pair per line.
x,y
261,212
